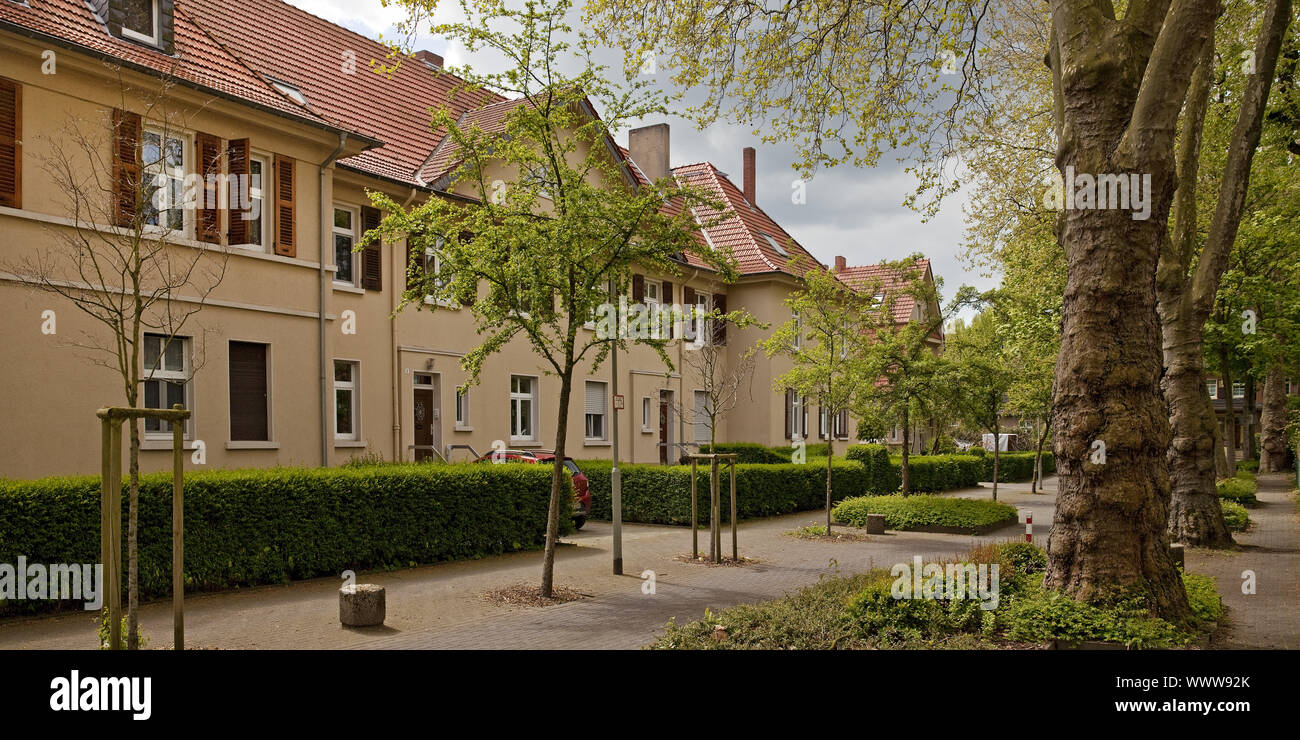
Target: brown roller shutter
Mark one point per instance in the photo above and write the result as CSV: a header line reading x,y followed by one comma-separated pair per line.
x,y
720,325
126,165
286,244
11,147
638,288
208,149
372,257
666,297
239,166
248,402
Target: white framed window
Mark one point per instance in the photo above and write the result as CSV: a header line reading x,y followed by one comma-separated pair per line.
x,y
596,405
796,413
646,425
1212,387
258,214
823,422
701,417
841,427
140,21
345,239
798,330
462,409
433,267
703,327
523,407
347,399
1238,390
166,376
165,160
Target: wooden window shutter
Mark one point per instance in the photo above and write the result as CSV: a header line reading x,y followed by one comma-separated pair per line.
x,y
248,388
638,288
688,309
666,297
208,149
286,243
372,257
720,324
239,166
11,144
788,396
126,166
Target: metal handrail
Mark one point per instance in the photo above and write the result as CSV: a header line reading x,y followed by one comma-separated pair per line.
x,y
430,448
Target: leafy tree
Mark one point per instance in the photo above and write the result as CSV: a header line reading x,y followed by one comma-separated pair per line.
x,y
827,339
978,378
549,247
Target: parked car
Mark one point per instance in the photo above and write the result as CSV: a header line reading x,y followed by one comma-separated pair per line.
x,y
581,494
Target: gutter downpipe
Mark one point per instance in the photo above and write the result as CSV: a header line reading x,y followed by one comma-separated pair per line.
x,y
325,230
399,455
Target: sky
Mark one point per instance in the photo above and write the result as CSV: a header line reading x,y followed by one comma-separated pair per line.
x,y
857,213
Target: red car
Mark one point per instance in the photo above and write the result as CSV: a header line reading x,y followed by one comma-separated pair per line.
x,y
581,495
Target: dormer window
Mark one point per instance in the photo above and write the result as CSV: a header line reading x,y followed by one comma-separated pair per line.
x,y
290,90
140,20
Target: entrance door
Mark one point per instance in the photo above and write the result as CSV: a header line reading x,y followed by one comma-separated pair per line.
x,y
664,426
427,417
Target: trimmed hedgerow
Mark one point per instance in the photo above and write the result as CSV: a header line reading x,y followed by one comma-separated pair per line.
x,y
1017,467
749,453
911,512
931,473
658,494
252,527
884,474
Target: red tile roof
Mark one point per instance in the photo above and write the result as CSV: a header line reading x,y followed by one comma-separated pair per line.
x,y
877,278
199,60
742,229
394,109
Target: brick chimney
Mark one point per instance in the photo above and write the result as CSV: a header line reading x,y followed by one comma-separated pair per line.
x,y
648,147
841,264
429,58
749,175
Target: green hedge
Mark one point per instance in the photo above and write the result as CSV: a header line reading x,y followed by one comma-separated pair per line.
x,y
658,494
254,527
1017,467
749,453
885,476
933,473
910,512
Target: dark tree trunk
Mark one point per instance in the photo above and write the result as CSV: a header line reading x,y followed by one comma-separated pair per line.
x,y
1272,433
557,486
1230,417
1038,459
1220,454
830,457
1248,428
997,451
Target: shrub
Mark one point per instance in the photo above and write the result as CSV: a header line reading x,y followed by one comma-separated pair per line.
x,y
1251,466
932,473
1234,515
1026,557
1239,490
658,494
1203,596
910,512
977,451
252,527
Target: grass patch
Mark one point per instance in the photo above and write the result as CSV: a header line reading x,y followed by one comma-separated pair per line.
x,y
818,532
1235,515
860,612
914,512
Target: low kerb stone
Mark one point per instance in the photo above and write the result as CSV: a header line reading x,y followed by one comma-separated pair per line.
x,y
361,605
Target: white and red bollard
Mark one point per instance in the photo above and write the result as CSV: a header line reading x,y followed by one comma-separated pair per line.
x,y
1029,526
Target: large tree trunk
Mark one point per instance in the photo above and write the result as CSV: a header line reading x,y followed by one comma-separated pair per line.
x,y
1248,427
1220,454
1118,99
557,485
1272,433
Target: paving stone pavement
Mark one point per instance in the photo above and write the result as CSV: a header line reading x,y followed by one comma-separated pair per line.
x,y
442,606
1269,618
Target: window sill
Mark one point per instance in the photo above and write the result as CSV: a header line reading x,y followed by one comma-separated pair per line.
x,y
348,288
595,443
460,428
251,444
451,305
647,430
349,443
164,444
